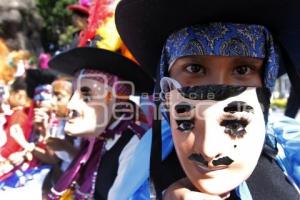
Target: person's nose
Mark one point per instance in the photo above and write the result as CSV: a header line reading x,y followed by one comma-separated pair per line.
x,y
220,77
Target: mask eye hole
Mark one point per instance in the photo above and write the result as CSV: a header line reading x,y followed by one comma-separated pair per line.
x,y
185,125
183,107
86,94
235,127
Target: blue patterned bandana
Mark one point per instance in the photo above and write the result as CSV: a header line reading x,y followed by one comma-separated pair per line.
x,y
223,39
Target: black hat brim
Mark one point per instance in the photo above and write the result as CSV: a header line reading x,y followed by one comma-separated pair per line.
x,y
144,25
36,77
71,61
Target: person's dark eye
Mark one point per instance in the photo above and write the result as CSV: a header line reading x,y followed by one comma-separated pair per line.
x,y
185,125
235,127
242,70
195,68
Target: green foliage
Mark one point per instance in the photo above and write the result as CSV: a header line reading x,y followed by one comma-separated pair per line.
x,y
67,37
57,21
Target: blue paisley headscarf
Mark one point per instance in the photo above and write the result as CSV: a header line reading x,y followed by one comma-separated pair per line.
x,y
223,39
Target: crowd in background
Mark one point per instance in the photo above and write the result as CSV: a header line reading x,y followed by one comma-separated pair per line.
x,y
33,111
34,148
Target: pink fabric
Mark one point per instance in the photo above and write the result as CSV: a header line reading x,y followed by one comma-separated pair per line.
x,y
43,60
86,3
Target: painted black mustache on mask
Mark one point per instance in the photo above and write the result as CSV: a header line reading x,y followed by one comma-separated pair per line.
x,y
221,161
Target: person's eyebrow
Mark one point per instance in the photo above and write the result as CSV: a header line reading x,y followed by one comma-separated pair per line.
x,y
238,106
244,60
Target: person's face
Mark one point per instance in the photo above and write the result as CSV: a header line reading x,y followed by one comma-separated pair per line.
x,y
218,143
80,21
230,70
61,95
17,98
90,108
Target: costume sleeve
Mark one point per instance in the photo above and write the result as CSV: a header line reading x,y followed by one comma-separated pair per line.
x,y
287,133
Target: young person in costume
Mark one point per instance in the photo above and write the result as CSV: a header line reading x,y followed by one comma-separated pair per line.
x,y
217,66
17,127
80,15
30,163
51,144
58,140
101,113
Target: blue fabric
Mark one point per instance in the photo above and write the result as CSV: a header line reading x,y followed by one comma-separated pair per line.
x,y
243,191
143,193
138,168
14,180
287,133
223,39
138,171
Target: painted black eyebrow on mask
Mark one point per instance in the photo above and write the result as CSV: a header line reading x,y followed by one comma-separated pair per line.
x,y
238,106
211,92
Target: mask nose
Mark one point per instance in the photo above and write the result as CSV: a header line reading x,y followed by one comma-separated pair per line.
x,y
73,105
210,140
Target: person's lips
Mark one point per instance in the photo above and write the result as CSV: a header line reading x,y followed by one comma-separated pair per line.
x,y
206,169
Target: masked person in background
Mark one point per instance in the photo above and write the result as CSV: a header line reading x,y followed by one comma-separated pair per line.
x,y
101,113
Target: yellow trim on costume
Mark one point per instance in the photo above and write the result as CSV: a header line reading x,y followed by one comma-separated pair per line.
x,y
110,38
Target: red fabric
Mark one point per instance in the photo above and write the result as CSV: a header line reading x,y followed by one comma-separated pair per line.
x,y
98,12
24,120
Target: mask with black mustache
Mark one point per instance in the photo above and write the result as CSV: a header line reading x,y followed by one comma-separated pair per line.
x,y
217,128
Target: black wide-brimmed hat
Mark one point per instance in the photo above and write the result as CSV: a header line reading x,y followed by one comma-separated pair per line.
x,y
144,25
71,61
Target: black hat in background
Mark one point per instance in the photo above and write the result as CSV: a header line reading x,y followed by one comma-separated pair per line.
x,y
114,63
36,77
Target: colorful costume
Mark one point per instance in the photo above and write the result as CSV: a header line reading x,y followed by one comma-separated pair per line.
x,y
98,168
